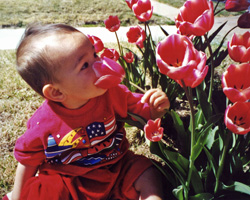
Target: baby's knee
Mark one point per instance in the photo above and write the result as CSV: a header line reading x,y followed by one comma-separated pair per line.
x,y
149,184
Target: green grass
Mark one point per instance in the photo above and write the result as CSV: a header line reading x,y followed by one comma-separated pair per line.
x,y
17,103
79,13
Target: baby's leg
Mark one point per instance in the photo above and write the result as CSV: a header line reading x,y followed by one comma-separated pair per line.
x,y
149,185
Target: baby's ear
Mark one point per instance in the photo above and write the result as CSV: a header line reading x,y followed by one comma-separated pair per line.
x,y
52,93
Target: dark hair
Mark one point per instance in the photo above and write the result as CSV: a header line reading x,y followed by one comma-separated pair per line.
x,y
35,64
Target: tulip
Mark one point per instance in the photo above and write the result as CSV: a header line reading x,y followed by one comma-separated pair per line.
x,y
237,117
244,20
130,3
236,82
177,58
237,5
239,47
136,35
153,130
108,72
112,23
111,54
129,57
143,10
196,17
97,42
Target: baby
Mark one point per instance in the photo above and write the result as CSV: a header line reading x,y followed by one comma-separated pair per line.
x,y
74,142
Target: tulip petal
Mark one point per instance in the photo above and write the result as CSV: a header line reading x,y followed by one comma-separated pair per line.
x,y
195,17
108,73
237,118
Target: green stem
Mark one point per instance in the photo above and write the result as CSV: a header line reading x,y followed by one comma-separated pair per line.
x,y
136,86
212,69
151,39
189,96
118,42
221,163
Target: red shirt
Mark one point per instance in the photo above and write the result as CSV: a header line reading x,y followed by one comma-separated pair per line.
x,y
90,135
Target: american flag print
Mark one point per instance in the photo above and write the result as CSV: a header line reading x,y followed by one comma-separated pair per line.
x,y
86,146
98,131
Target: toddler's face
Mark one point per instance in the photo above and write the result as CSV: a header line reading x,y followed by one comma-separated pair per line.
x,y
76,56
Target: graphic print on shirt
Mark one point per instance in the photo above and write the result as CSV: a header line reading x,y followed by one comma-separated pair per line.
x,y
93,144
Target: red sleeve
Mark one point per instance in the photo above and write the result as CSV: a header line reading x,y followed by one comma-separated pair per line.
x,y
124,101
29,148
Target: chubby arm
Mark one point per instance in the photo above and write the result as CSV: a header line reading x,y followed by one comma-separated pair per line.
x,y
157,101
23,173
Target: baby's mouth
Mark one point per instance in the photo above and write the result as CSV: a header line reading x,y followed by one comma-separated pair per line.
x,y
108,72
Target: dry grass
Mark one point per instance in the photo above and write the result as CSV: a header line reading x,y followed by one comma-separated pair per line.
x,y
17,103
74,12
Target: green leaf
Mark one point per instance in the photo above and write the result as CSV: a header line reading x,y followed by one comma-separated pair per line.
x,y
182,165
202,196
183,136
237,187
202,98
164,31
139,118
169,176
155,149
179,192
211,161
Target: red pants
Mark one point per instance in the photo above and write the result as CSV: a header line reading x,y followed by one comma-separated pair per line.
x,y
107,182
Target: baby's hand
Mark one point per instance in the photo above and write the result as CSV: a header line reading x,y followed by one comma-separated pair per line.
x,y
158,102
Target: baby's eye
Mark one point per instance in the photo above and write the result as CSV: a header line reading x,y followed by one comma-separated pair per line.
x,y
85,65
95,55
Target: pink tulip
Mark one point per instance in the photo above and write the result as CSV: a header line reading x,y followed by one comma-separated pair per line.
x,y
196,17
108,72
239,47
130,3
236,82
244,20
177,58
110,53
112,23
237,117
136,35
129,57
97,42
237,5
143,10
153,130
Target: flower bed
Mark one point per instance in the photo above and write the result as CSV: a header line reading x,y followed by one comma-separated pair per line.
x,y
212,157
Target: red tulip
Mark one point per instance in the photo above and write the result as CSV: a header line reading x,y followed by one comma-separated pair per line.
x,y
129,57
244,20
237,5
130,3
236,82
136,35
97,42
239,47
237,117
177,58
196,17
111,54
108,72
143,10
112,23
153,130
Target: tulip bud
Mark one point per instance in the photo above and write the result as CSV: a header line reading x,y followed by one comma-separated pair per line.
x,y
237,5
244,20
